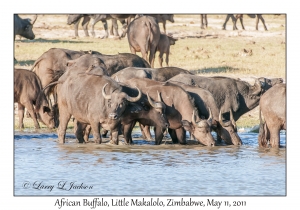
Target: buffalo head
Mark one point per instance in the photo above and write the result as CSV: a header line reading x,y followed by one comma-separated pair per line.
x,y
23,27
118,102
228,130
201,130
159,108
266,83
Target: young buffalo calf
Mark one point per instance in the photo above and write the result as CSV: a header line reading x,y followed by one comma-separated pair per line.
x,y
28,92
164,47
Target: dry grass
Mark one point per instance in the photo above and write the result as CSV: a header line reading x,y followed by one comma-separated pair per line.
x,y
208,52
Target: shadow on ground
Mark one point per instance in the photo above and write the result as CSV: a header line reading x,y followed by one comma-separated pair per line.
x,y
24,63
220,69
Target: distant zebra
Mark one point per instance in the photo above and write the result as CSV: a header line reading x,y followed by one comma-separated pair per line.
x,y
234,19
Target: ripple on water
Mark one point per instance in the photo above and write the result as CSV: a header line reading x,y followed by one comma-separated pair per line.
x,y
148,169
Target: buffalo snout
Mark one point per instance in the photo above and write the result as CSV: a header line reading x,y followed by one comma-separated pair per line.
x,y
113,116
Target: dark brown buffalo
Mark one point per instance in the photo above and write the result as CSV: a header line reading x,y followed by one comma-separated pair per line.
x,y
162,18
163,47
234,19
159,74
92,99
146,110
115,63
204,102
143,36
28,94
180,111
23,27
273,108
229,93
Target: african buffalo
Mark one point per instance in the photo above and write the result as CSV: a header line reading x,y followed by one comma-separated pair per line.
x,y
162,18
234,19
28,94
143,36
56,59
163,47
92,99
273,108
204,102
180,111
158,74
23,27
115,63
146,111
231,95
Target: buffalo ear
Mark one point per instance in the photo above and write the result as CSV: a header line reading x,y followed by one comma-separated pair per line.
x,y
70,63
186,125
46,109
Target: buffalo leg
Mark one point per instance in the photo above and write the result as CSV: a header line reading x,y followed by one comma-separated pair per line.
x,y
181,135
164,27
104,22
262,20
241,20
85,23
226,20
30,109
173,135
96,132
21,115
152,57
124,28
146,131
167,58
63,123
87,132
127,131
159,134
76,27
115,26
79,130
161,59
274,137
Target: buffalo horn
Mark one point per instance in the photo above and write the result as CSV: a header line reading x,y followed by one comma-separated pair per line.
x,y
159,97
209,120
150,101
193,119
51,84
104,94
134,99
32,22
232,119
221,120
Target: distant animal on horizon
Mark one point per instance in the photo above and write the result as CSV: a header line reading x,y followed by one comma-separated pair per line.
x,y
234,19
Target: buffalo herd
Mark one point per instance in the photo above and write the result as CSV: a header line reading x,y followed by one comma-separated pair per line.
x,y
114,92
